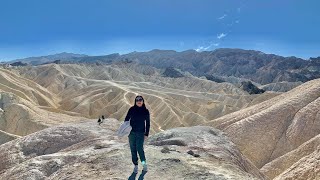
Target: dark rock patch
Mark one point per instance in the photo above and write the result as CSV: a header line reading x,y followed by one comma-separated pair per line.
x,y
172,72
165,149
251,88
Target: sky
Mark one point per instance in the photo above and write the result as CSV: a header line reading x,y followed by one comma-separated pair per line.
x,y
99,27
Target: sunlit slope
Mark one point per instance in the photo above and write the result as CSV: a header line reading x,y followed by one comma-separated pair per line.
x,y
26,89
302,162
22,107
273,128
93,90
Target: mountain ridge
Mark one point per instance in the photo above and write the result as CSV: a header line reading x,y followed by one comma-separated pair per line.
x,y
254,65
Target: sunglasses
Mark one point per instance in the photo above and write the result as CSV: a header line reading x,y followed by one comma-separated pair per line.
x,y
139,99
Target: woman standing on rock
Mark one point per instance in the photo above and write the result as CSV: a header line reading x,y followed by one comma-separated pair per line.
x,y
139,117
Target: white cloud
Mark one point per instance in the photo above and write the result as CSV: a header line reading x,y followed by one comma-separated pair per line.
x,y
222,17
215,44
237,21
202,48
222,35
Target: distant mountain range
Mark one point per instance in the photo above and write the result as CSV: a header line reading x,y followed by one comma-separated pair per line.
x,y
248,64
49,58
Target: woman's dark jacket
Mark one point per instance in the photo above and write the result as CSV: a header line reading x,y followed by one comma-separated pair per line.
x,y
139,119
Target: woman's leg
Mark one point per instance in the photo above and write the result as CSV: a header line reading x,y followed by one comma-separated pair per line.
x,y
140,141
133,147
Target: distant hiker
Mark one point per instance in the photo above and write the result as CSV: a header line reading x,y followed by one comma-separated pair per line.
x,y
100,121
139,117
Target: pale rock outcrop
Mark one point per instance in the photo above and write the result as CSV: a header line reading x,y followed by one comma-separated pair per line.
x,y
211,145
88,151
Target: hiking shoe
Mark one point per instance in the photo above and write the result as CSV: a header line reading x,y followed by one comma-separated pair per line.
x,y
145,167
135,169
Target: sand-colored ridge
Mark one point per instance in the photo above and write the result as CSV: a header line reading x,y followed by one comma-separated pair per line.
x,y
274,128
287,161
95,90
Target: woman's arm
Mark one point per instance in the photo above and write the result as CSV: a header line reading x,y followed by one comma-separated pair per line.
x,y
147,124
128,116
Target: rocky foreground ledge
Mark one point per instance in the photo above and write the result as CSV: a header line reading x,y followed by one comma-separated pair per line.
x,y
86,150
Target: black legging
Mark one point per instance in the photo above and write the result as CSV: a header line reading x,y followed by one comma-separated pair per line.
x,y
136,140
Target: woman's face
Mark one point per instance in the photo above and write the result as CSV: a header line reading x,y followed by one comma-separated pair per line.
x,y
139,103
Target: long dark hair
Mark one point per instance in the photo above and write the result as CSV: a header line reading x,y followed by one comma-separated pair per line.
x,y
143,104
